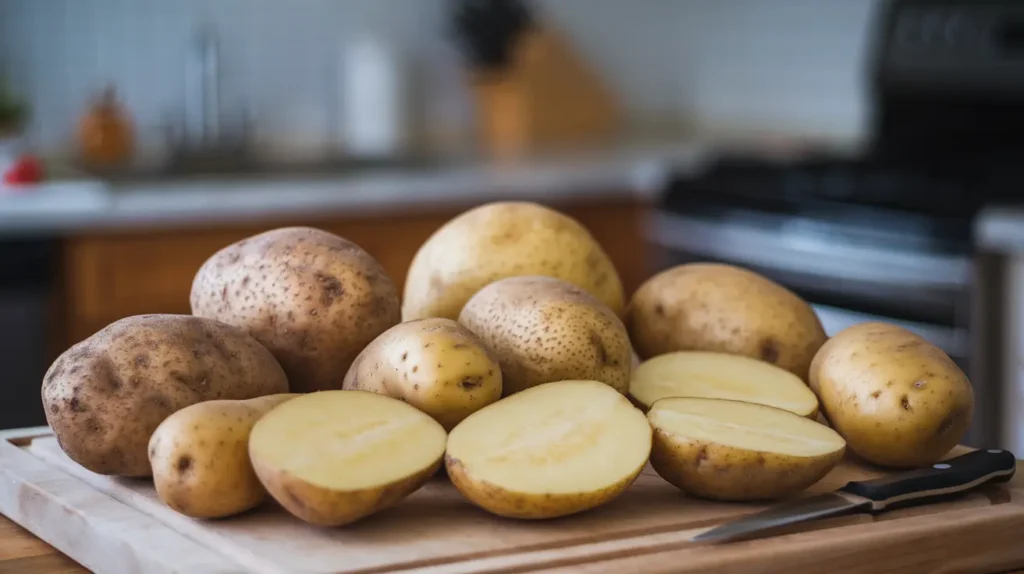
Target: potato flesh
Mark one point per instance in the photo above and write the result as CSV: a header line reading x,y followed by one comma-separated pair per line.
x,y
348,440
744,425
564,437
721,376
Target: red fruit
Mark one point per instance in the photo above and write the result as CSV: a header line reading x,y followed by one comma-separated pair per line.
x,y
26,169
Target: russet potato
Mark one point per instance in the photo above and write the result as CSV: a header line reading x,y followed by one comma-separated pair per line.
x,y
702,374
334,457
722,308
505,239
200,457
543,330
736,451
897,399
435,365
106,395
312,298
552,450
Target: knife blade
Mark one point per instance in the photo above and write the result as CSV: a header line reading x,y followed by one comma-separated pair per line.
x,y
920,486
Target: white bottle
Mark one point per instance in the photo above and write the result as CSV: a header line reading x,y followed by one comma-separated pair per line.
x,y
373,118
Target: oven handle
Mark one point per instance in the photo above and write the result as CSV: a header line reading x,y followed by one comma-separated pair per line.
x,y
955,342
773,249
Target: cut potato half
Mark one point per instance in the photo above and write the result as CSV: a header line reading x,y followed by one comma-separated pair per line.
x,y
334,457
708,375
551,450
731,450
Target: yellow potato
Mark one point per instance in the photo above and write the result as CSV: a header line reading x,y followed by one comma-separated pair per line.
x,y
333,457
200,457
106,395
505,239
553,450
544,330
310,297
897,399
435,365
701,374
715,307
736,451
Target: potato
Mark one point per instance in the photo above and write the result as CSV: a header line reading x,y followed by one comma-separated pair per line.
x,y
106,395
200,457
505,239
898,400
435,365
735,451
312,298
333,457
714,307
549,451
702,374
544,330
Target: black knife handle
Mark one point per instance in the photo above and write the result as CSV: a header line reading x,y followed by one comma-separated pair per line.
x,y
937,481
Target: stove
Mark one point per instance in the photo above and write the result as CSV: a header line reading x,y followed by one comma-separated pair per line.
x,y
886,234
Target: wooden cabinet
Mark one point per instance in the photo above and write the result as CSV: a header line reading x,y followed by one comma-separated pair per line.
x,y
113,275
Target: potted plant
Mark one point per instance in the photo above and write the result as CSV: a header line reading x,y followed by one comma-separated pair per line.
x,y
16,166
13,113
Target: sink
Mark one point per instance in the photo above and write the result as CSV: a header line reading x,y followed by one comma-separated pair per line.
x,y
239,167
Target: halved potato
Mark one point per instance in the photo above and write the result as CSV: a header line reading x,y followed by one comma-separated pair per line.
x,y
731,450
333,457
709,375
551,450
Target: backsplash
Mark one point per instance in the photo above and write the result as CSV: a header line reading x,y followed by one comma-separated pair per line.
x,y
792,64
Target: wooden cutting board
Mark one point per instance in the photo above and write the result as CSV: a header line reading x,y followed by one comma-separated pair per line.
x,y
119,526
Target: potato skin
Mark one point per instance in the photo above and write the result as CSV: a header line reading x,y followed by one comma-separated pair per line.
x,y
505,239
898,400
544,330
726,473
513,504
106,395
310,297
716,307
325,507
435,365
200,457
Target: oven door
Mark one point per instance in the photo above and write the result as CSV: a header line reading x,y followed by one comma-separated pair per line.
x,y
846,282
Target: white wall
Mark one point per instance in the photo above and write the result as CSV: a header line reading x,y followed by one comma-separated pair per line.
x,y
791,64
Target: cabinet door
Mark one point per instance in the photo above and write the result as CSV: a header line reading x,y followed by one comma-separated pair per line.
x,y
110,276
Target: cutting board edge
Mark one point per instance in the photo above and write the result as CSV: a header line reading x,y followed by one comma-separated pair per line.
x,y
99,532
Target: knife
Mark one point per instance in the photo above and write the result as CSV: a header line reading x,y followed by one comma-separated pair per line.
x,y
938,481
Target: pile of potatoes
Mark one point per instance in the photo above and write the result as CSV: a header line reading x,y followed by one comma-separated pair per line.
x,y
512,359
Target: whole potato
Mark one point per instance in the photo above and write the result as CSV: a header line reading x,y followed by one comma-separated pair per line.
x,y
505,239
200,457
544,329
435,365
898,400
106,395
726,309
310,297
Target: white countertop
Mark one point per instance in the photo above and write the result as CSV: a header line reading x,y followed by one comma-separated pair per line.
x,y
65,207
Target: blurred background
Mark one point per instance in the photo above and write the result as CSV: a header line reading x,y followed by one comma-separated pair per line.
x,y
864,153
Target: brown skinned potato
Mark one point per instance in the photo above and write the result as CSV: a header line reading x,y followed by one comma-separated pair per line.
x,y
544,330
726,309
106,395
435,365
898,400
499,240
200,457
310,297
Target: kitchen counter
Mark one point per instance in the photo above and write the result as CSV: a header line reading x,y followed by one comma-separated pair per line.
x,y
67,207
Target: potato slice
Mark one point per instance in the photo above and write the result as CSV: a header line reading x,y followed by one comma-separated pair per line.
x,y
731,450
333,457
710,375
551,450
